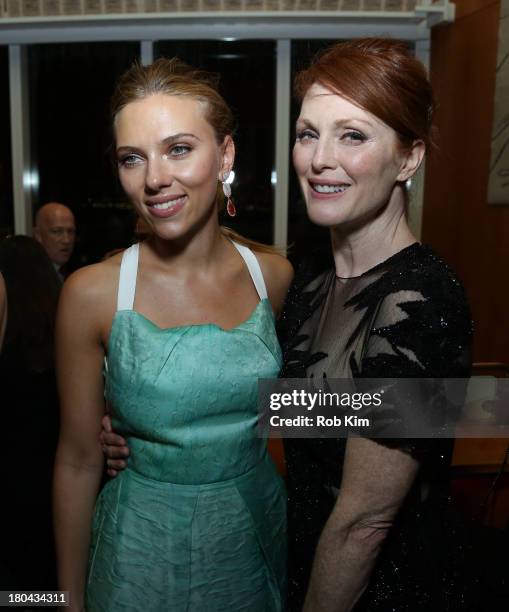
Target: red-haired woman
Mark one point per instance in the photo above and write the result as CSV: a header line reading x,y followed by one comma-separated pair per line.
x,y
365,514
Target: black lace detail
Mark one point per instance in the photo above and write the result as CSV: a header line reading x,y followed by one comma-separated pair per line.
x,y
436,328
300,304
407,317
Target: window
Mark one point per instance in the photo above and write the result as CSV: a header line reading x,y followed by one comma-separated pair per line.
x,y
302,234
70,90
247,82
6,195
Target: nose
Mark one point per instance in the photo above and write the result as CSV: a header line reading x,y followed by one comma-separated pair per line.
x,y
324,156
68,237
158,174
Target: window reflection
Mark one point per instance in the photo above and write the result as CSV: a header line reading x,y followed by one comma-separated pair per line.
x,y
70,89
247,71
6,195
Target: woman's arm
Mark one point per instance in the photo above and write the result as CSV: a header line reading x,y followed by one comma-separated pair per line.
x,y
79,460
426,321
114,447
375,481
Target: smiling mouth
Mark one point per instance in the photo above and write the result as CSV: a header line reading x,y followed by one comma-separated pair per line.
x,y
168,204
321,188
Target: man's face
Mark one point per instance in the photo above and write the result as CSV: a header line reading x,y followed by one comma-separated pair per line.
x,y
56,232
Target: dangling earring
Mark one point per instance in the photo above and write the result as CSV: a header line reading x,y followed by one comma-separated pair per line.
x,y
227,190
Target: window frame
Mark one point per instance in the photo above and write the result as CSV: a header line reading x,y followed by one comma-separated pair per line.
x,y
283,27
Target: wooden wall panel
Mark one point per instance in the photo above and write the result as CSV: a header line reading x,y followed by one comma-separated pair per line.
x,y
457,221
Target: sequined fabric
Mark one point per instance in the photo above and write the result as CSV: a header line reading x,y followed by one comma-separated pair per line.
x,y
406,317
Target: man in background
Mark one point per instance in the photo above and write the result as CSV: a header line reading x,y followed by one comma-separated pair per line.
x,y
55,229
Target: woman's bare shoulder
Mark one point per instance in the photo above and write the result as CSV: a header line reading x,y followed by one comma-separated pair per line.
x,y
275,264
95,284
278,274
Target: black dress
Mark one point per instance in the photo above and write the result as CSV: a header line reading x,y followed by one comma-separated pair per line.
x,y
406,317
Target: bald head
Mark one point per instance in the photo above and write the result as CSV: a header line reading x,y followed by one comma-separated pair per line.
x,y
55,230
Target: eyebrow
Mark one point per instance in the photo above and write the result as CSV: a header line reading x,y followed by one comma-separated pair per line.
x,y
177,137
165,142
337,124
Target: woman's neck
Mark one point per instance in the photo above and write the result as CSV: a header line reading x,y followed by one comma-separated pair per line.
x,y
358,249
199,252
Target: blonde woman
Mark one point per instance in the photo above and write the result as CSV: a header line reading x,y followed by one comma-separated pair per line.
x,y
185,324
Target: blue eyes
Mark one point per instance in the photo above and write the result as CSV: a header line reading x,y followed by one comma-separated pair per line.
x,y
353,137
175,152
129,161
305,135
179,150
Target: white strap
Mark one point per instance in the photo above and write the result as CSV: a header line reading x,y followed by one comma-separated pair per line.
x,y
254,268
129,270
127,278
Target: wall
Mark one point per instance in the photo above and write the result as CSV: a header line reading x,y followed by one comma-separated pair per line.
x,y
460,225
457,220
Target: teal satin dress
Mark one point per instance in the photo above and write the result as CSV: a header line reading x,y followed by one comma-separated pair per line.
x,y
197,521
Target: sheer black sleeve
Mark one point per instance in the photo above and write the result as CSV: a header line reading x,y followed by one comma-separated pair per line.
x,y
422,330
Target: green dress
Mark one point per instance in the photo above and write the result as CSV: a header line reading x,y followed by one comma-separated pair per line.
x,y
197,521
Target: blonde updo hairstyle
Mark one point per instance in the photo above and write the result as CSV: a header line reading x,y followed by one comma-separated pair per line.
x,y
173,77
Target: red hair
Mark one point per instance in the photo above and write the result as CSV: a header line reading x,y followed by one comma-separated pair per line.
x,y
381,76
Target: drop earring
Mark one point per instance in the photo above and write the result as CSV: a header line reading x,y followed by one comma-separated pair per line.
x,y
227,190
